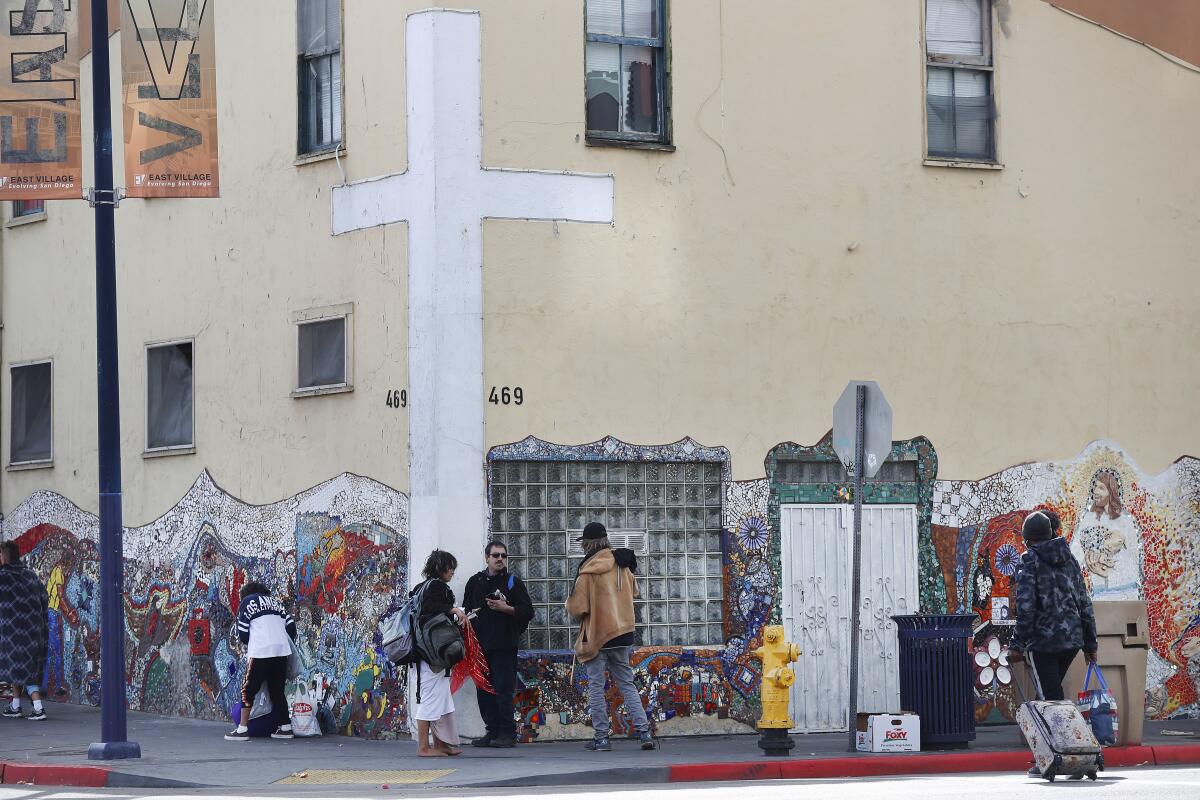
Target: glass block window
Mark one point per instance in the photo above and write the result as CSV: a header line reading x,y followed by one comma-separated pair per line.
x,y
539,507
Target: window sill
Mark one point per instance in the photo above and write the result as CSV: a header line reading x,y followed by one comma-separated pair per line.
x,y
161,452
28,465
629,144
25,219
320,155
317,391
949,162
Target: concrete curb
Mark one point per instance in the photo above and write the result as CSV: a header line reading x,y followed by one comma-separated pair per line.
x,y
785,769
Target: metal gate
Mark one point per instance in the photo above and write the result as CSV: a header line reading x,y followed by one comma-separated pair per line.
x,y
816,606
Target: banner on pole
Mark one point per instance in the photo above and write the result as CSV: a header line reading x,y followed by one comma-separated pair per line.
x,y
169,78
40,153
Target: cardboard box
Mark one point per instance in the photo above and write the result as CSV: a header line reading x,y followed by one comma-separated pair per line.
x,y
889,733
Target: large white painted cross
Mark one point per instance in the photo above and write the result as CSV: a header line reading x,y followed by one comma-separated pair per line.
x,y
444,196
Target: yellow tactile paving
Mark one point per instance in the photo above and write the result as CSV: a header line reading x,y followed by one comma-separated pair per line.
x,y
327,776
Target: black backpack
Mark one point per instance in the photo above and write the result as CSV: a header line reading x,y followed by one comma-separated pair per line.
x,y
439,641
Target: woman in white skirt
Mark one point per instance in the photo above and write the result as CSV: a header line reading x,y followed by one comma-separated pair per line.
x,y
435,710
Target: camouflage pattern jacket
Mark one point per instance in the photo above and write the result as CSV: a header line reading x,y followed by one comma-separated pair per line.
x,y
1053,609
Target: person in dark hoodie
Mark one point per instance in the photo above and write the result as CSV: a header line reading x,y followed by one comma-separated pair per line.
x,y
1054,612
502,611
602,601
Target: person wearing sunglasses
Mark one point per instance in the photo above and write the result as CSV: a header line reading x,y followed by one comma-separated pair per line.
x,y
502,611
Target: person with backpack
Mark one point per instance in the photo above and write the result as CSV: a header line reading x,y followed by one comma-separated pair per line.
x,y
602,601
267,630
1055,619
502,610
435,703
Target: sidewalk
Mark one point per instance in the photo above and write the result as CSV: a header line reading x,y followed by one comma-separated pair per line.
x,y
192,753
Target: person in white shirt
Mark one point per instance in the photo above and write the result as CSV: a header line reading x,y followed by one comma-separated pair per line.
x,y
266,628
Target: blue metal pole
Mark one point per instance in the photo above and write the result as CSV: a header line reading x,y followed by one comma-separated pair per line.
x,y
112,742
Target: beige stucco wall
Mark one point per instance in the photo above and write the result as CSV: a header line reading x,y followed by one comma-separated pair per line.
x,y
1010,315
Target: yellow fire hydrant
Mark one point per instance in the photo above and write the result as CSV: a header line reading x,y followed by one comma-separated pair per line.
x,y
775,655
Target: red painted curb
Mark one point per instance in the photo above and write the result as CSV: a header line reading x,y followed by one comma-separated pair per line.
x,y
1177,754
53,775
916,764
1129,756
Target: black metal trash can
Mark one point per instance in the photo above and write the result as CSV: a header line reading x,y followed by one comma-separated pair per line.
x,y
935,676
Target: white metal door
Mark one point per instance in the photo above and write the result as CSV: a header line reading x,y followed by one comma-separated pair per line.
x,y
816,606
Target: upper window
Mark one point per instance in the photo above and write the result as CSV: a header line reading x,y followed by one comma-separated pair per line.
x,y
626,66
669,514
27,208
169,386
30,438
959,104
324,347
320,75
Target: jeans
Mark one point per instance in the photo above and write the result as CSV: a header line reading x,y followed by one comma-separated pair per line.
x,y
1052,670
616,661
497,709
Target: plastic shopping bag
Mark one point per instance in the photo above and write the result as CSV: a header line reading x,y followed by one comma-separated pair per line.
x,y
1099,707
304,712
262,703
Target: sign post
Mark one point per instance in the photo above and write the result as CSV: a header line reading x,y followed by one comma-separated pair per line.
x,y
104,198
862,438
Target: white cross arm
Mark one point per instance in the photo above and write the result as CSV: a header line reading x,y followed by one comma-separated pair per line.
x,y
373,202
526,194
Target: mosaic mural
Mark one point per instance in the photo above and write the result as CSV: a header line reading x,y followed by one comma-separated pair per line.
x,y
1137,537
338,551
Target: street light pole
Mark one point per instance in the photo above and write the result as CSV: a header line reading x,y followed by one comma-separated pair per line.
x,y
104,199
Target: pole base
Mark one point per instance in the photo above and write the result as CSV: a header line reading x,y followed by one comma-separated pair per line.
x,y
109,751
776,742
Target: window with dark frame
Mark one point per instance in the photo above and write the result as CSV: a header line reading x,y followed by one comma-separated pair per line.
x,y
960,106
320,75
322,352
30,437
668,513
169,402
27,208
626,70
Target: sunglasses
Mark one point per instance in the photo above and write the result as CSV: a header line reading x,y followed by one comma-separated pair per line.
x,y
499,555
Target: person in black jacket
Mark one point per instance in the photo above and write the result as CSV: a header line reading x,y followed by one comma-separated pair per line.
x,y
1055,619
503,611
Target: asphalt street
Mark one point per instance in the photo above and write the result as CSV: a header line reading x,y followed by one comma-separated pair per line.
x,y
1140,784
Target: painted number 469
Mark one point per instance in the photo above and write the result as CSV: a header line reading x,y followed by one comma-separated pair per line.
x,y
397,398
503,396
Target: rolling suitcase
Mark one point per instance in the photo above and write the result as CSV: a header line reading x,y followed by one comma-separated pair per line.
x,y
1060,738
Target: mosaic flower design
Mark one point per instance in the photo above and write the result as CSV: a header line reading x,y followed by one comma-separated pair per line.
x,y
752,533
991,664
1007,559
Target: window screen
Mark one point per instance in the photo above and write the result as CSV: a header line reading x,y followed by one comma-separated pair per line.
x,y
30,432
320,75
322,353
670,511
169,396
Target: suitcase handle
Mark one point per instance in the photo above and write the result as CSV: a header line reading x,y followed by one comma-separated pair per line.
x,y
1037,682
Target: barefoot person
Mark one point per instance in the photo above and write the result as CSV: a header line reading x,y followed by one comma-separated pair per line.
x,y
435,703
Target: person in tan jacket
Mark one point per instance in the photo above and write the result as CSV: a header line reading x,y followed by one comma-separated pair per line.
x,y
602,601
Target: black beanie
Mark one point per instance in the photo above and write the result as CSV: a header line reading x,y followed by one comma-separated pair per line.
x,y
1037,528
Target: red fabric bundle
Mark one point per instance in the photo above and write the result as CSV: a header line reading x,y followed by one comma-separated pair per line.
x,y
474,664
